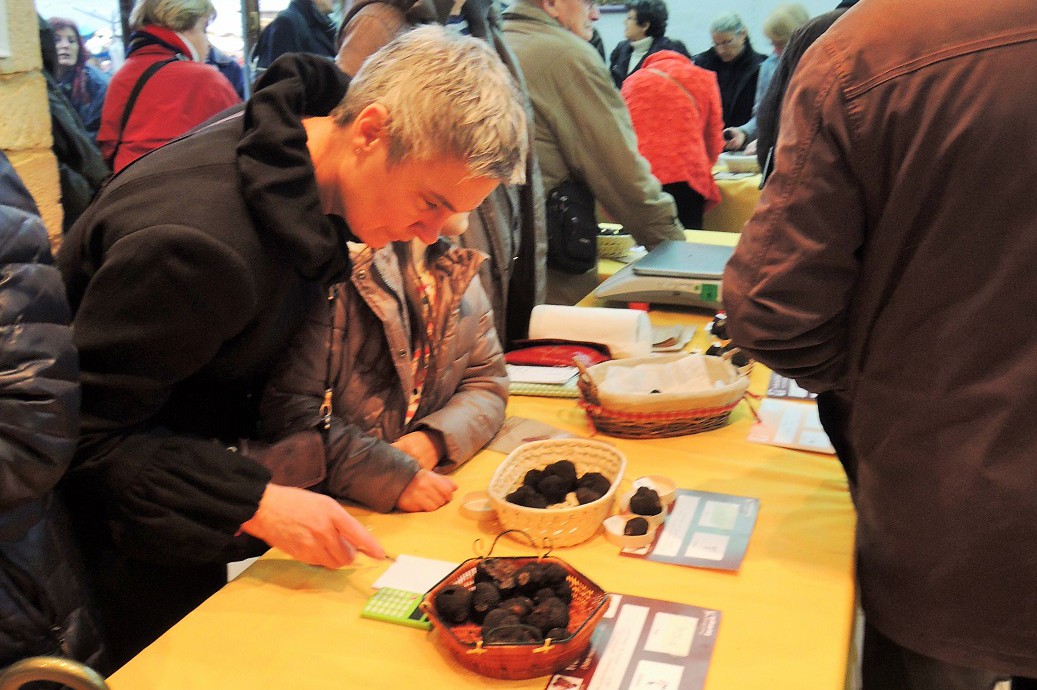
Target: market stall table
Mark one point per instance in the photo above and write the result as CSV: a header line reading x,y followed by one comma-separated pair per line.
x,y
787,614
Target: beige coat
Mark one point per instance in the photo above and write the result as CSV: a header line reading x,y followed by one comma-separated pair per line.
x,y
583,130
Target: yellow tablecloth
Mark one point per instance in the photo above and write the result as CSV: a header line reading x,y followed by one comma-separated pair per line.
x,y
786,615
738,199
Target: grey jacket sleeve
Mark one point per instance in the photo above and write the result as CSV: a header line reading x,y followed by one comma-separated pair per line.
x,y
597,141
787,289
360,467
475,413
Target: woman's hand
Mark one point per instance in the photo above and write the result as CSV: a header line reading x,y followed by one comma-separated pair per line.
x,y
310,527
426,492
734,139
425,447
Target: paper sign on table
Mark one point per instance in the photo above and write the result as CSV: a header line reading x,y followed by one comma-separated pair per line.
x,y
414,574
645,644
790,424
704,530
518,430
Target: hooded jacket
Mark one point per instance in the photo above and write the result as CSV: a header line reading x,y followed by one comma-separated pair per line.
x,y
43,603
890,263
177,97
509,225
357,346
188,277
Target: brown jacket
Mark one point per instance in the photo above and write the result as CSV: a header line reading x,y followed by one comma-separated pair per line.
x,y
891,262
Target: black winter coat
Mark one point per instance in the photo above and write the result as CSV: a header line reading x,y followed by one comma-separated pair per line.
x,y
188,277
42,600
299,28
737,81
619,62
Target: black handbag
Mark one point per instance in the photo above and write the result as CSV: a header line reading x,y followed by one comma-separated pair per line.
x,y
572,229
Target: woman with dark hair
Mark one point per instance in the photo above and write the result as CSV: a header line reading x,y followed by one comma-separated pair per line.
x,y
644,29
737,66
82,83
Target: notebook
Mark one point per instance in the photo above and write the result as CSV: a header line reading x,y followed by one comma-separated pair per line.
x,y
675,259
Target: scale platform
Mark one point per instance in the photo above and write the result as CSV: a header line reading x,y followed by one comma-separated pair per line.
x,y
682,273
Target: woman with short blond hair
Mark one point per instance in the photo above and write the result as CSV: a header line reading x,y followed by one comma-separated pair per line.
x,y
176,90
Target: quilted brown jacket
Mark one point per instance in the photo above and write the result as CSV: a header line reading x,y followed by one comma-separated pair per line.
x,y
356,345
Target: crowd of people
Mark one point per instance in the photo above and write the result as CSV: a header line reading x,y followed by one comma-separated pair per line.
x,y
263,307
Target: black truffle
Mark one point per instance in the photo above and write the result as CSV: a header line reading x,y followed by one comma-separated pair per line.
x,y
530,578
564,591
555,573
557,634
595,481
636,527
552,613
520,606
526,496
553,488
498,618
543,594
513,634
453,604
645,502
498,571
533,478
485,598
564,469
586,495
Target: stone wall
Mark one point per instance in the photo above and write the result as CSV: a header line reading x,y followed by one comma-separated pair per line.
x,y
25,119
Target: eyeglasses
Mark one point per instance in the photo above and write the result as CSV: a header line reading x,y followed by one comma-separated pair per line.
x,y
730,41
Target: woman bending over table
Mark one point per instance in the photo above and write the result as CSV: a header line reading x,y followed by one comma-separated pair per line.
x,y
401,371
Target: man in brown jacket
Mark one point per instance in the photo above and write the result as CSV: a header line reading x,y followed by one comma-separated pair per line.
x,y
890,268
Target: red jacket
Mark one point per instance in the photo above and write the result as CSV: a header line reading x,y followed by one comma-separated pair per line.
x,y
681,139
176,98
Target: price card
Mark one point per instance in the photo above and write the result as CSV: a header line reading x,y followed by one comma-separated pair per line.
x,y
704,530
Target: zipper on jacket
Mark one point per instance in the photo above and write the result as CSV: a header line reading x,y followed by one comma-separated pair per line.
x,y
325,408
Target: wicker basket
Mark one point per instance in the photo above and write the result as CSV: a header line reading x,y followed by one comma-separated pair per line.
x,y
517,661
557,526
651,416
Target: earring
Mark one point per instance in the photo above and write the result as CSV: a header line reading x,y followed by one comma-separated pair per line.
x,y
357,150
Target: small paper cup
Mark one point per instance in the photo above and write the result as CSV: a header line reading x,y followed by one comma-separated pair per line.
x,y
614,532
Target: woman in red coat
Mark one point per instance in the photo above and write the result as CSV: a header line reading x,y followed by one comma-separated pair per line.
x,y
181,94
677,115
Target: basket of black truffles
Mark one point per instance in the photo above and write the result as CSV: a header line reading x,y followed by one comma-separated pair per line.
x,y
558,490
515,617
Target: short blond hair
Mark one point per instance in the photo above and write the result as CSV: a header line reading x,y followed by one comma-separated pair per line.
x,y
446,94
175,15
784,20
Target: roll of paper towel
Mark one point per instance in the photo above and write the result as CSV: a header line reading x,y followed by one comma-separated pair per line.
x,y
626,332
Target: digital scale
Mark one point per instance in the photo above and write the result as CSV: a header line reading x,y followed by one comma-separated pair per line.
x,y
682,273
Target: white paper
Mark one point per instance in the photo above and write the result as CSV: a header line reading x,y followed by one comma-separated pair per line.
x,y
524,373
414,574
620,648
